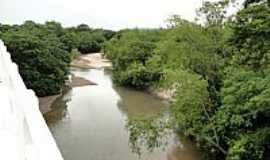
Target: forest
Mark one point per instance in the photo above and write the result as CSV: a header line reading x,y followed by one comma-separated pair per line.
x,y
220,74
43,52
218,67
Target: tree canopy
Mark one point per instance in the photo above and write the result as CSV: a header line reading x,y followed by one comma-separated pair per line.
x,y
43,51
220,74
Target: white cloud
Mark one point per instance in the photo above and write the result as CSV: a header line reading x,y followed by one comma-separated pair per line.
x,y
112,14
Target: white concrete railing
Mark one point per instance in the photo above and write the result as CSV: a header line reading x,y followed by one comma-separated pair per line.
x,y
24,134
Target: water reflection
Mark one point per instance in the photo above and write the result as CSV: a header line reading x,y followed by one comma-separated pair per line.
x,y
183,149
134,103
59,110
88,123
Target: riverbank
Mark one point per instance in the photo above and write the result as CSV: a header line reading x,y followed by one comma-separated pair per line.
x,y
88,61
45,103
91,61
95,61
96,117
161,93
79,82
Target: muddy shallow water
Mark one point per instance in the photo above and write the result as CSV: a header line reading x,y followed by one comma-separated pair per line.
x,y
88,123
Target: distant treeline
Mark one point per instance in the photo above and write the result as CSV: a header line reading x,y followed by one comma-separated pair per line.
x,y
220,72
43,51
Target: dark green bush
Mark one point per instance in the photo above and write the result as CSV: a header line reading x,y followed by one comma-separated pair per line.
x,y
42,60
90,42
251,146
132,54
220,72
43,51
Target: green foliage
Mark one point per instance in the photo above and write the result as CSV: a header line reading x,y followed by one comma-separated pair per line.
x,y
108,34
213,13
244,104
43,51
192,103
137,76
251,41
89,43
246,96
220,74
42,60
86,39
132,54
70,40
251,146
150,132
244,109
250,2
177,52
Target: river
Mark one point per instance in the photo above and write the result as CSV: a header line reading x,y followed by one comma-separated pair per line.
x,y
88,123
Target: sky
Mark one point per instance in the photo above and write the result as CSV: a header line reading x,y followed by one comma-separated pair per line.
x,y
109,14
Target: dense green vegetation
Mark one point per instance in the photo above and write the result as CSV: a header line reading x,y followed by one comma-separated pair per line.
x,y
132,52
43,51
220,71
89,40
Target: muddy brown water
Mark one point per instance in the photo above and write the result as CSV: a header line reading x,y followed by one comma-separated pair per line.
x,y
88,123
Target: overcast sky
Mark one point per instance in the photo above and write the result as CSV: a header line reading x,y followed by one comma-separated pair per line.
x,y
110,14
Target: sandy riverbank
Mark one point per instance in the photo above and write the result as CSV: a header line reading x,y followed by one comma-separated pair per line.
x,y
91,61
79,82
96,61
88,61
45,103
163,94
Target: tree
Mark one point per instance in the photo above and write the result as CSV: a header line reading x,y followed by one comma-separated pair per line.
x,y
83,27
42,60
250,40
213,13
132,54
249,2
